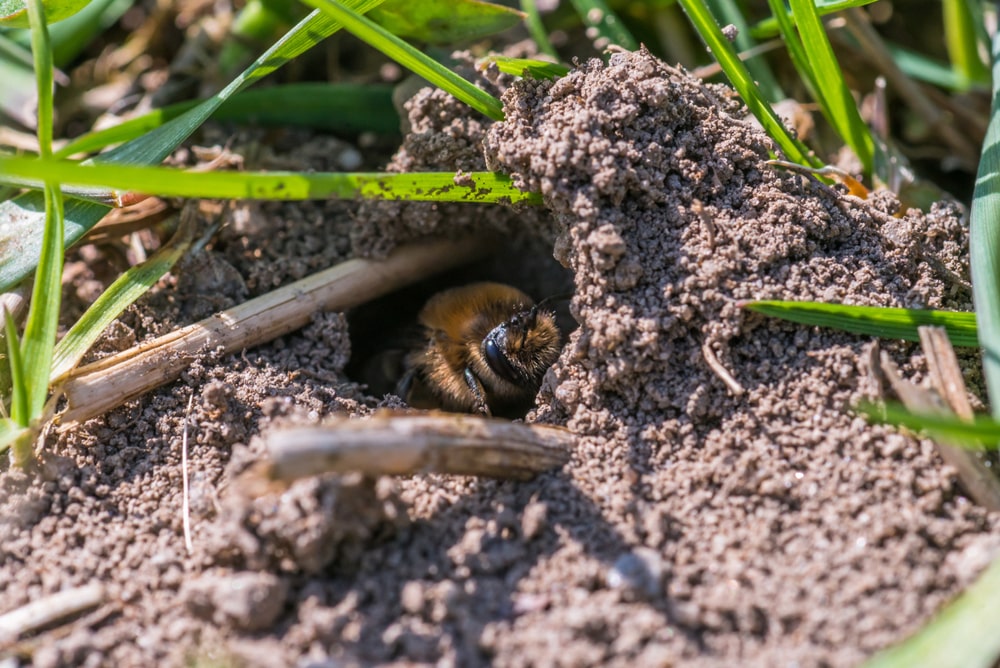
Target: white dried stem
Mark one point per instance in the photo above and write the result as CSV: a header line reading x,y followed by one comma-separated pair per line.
x,y
48,610
96,388
947,398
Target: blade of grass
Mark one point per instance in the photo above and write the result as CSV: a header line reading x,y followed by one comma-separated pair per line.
x,y
343,108
120,295
43,315
19,396
444,22
487,187
961,39
830,83
727,11
19,90
741,80
537,29
13,435
963,635
598,16
409,57
537,69
979,433
21,219
768,28
888,323
984,243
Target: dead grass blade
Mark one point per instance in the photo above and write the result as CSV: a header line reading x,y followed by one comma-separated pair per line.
x,y
93,389
394,443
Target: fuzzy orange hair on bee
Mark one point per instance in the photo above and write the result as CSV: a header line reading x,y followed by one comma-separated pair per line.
x,y
486,347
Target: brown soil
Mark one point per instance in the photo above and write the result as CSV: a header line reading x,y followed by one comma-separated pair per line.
x,y
693,525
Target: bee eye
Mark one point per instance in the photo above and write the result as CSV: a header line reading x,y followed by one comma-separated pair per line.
x,y
496,359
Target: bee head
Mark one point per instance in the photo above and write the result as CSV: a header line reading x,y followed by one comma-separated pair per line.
x,y
520,349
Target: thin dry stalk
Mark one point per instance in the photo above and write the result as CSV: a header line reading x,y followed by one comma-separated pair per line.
x,y
947,398
393,443
186,509
722,372
96,388
48,610
874,50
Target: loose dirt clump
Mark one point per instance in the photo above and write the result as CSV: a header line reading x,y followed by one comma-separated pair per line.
x,y
723,505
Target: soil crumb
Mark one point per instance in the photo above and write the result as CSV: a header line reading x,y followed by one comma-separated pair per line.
x,y
723,506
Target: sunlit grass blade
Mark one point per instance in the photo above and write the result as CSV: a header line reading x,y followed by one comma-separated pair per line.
x,y
411,58
888,323
922,68
728,11
13,435
537,28
981,432
741,80
18,13
19,91
984,243
443,22
120,295
769,27
961,37
828,78
43,314
963,635
537,69
108,182
19,391
596,15
337,107
22,219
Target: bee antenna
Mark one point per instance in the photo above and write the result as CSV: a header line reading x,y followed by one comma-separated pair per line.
x,y
553,298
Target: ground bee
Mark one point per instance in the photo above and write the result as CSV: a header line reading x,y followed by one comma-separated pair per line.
x,y
486,347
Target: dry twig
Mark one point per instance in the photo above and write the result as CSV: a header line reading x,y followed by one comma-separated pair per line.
x,y
393,443
948,397
48,610
99,387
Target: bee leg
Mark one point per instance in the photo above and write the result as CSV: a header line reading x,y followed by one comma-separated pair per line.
x,y
405,384
477,391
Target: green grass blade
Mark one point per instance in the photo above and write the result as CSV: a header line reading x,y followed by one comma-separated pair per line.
x,y
442,22
981,432
22,218
537,69
922,68
537,29
336,107
20,92
984,243
18,437
18,13
19,391
831,85
120,295
411,58
598,16
43,315
888,323
159,143
961,39
963,635
728,11
769,27
486,187
741,80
